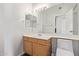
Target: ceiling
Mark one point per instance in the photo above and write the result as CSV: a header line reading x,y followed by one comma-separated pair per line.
x,y
40,5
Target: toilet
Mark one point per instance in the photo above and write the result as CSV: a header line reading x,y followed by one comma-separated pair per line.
x,y
62,48
63,52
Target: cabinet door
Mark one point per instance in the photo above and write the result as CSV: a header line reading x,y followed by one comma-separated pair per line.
x,y
28,47
35,49
43,50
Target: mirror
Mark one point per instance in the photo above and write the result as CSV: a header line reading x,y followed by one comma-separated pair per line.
x,y
61,19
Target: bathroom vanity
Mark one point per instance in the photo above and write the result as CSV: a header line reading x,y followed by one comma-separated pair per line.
x,y
45,44
37,46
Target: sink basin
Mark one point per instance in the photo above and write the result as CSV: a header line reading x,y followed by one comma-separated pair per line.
x,y
39,34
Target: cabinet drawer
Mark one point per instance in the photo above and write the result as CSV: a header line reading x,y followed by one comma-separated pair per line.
x,y
43,42
34,40
30,39
26,38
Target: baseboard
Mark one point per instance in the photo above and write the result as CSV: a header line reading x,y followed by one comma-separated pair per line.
x,y
20,54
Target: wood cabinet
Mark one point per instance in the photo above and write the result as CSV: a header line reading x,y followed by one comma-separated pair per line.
x,y
36,47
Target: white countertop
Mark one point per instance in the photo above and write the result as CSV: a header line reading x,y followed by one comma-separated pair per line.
x,y
39,36
48,36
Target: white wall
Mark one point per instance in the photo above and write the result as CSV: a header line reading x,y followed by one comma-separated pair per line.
x,y
1,31
78,17
14,27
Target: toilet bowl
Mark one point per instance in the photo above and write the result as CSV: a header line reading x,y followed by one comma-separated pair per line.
x,y
64,52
